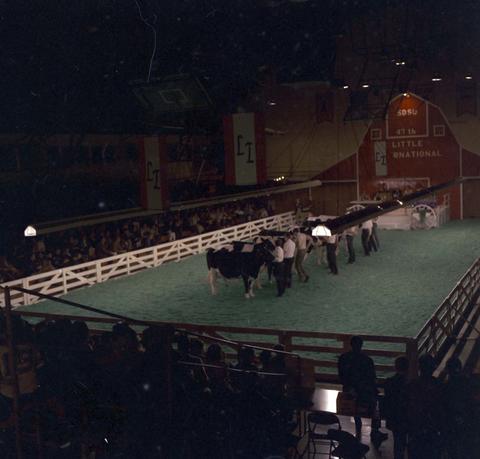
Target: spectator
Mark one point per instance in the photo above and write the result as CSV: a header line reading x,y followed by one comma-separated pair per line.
x,y
395,403
357,375
425,413
458,396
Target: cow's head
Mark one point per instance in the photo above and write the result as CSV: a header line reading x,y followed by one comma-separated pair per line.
x,y
263,252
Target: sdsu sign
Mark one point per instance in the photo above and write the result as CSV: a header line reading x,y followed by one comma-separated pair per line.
x,y
413,145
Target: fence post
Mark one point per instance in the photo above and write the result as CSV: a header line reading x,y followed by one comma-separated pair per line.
x,y
12,367
99,271
25,295
412,356
64,281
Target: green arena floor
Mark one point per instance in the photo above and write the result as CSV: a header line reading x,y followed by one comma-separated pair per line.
x,y
392,292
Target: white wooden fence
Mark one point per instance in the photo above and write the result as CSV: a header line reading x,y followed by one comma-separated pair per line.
x,y
61,281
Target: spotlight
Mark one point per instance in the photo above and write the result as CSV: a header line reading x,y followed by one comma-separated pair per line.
x,y
400,202
405,94
365,85
469,77
345,86
436,79
321,230
30,231
272,103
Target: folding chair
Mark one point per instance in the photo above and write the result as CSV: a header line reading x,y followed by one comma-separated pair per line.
x,y
348,446
318,424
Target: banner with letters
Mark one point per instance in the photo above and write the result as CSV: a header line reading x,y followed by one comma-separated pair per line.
x,y
380,151
244,137
153,173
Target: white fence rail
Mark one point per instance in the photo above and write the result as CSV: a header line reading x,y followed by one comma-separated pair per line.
x,y
61,281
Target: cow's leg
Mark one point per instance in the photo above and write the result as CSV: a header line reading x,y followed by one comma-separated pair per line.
x,y
251,282
246,283
258,282
212,280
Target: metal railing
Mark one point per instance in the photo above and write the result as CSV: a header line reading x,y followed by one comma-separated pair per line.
x,y
64,280
451,313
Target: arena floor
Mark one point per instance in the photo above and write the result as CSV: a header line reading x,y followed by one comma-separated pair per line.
x,y
392,292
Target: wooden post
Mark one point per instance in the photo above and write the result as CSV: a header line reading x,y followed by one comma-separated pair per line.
x,y
285,339
412,356
12,367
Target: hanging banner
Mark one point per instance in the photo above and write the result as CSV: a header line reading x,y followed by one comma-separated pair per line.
x,y
244,135
153,173
380,152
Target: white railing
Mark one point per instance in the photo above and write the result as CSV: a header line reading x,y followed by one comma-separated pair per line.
x,y
62,281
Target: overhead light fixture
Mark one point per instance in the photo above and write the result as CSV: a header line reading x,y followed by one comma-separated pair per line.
x,y
30,231
400,202
398,63
365,85
272,103
405,94
321,231
436,79
469,77
345,86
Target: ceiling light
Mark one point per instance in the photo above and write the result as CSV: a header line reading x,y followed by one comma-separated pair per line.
x,y
469,77
345,86
365,85
271,103
436,79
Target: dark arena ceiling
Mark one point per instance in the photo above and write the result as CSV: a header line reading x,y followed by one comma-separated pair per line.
x,y
67,65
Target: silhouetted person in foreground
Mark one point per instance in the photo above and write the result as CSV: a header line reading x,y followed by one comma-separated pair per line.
x,y
395,403
357,375
458,400
425,413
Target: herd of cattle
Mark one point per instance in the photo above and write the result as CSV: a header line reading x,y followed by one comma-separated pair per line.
x,y
246,259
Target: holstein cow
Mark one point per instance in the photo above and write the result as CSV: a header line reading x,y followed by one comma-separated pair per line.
x,y
239,259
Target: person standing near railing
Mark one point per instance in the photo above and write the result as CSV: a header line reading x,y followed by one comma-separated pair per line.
x,y
331,242
356,372
289,254
349,236
303,242
279,267
366,235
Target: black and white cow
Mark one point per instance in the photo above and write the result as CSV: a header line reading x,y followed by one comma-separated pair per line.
x,y
239,259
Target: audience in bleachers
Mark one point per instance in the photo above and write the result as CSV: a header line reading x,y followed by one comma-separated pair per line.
x,y
112,394
57,250
109,393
